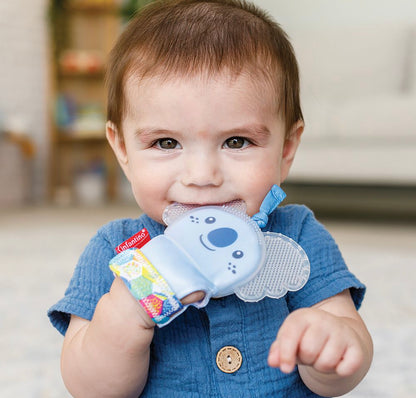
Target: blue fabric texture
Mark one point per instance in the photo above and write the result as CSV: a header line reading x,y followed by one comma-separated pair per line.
x,y
183,354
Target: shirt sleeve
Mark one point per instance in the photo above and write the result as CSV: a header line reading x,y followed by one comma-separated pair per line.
x,y
92,279
329,274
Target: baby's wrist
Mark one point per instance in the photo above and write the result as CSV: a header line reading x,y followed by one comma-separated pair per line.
x,y
118,325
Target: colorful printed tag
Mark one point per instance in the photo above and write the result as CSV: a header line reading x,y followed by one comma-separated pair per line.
x,y
135,242
147,285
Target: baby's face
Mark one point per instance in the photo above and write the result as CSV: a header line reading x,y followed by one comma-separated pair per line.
x,y
201,141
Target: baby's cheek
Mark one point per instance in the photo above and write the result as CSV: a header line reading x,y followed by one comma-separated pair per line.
x,y
253,203
257,186
149,204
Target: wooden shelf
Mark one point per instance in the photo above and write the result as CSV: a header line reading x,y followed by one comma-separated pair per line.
x,y
83,138
83,32
98,74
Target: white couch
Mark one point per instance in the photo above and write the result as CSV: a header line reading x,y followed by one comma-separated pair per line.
x,y
359,101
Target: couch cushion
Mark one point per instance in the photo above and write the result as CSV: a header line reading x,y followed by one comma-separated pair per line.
x,y
351,62
376,163
382,117
411,59
315,114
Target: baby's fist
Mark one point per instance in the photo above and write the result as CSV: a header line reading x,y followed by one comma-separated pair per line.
x,y
319,339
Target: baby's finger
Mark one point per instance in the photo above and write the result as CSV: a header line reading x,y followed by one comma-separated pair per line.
x,y
350,362
311,345
330,356
274,358
288,339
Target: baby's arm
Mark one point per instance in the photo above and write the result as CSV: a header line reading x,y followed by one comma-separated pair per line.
x,y
109,356
329,342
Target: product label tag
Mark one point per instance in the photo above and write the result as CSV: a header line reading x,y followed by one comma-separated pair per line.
x,y
136,241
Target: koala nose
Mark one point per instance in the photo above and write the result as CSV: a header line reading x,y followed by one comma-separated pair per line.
x,y
222,237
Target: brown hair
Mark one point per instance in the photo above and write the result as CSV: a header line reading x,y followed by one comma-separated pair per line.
x,y
185,37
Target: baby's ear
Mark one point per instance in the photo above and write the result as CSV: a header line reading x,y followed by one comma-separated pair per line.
x,y
116,142
290,147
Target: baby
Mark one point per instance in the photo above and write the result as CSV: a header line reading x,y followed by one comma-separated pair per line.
x,y
204,109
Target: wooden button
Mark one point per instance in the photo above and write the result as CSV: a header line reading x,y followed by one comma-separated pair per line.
x,y
229,359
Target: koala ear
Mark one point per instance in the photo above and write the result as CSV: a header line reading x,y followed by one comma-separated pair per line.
x,y
286,269
175,210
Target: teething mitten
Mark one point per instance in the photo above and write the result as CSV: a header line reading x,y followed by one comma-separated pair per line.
x,y
219,250
233,253
210,249
160,288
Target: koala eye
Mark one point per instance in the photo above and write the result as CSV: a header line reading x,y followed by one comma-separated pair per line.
x,y
238,254
210,220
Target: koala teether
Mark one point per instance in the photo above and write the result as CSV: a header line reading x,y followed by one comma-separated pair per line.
x,y
215,249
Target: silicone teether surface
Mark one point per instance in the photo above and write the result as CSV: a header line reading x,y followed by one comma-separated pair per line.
x,y
286,269
226,245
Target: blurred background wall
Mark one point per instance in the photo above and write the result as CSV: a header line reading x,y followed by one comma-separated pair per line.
x,y
358,69
292,14
24,91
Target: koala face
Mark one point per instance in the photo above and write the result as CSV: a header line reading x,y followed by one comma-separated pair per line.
x,y
228,247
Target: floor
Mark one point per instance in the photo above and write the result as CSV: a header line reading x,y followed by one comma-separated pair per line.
x,y
40,246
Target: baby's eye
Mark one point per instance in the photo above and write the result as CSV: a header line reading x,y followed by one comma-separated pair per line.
x,y
236,143
167,143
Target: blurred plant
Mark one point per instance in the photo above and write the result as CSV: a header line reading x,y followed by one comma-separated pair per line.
x,y
129,7
57,25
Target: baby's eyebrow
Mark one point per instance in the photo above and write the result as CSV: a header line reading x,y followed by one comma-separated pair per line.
x,y
149,133
259,131
254,131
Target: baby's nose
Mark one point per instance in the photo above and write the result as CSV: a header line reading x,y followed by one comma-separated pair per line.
x,y
202,170
222,237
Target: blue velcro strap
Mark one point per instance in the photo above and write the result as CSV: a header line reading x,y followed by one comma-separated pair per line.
x,y
270,202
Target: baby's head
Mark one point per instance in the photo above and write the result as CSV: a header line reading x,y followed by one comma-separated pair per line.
x,y
187,76
182,38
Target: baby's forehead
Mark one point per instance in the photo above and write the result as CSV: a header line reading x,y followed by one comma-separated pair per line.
x,y
203,102
259,82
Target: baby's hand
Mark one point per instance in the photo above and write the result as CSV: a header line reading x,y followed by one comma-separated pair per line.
x,y
319,339
131,309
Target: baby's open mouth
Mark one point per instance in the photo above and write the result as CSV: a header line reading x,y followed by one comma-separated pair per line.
x,y
177,209
237,204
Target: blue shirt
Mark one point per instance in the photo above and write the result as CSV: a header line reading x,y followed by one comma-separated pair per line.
x,y
183,354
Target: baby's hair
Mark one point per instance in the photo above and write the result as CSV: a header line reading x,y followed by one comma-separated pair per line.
x,y
182,38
